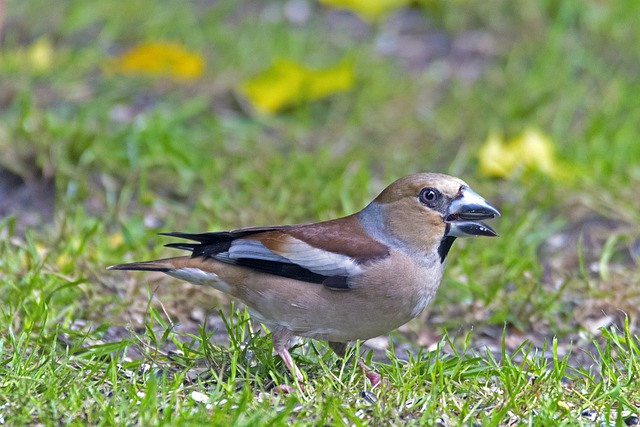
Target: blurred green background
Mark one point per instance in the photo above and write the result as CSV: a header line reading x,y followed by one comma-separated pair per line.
x,y
97,156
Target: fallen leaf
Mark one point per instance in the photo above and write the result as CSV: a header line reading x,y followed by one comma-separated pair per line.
x,y
369,10
116,239
168,59
495,158
40,54
38,57
287,83
534,150
531,150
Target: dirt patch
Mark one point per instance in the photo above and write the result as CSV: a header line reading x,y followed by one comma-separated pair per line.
x,y
30,201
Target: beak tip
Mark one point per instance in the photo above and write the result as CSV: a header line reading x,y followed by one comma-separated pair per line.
x,y
466,213
492,210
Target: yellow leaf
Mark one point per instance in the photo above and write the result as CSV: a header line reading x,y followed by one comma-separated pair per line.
x,y
38,57
369,10
325,82
116,239
495,158
287,83
63,260
159,59
531,150
277,87
40,54
535,151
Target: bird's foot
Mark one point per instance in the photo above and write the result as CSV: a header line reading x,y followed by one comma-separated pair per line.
x,y
288,361
286,389
374,378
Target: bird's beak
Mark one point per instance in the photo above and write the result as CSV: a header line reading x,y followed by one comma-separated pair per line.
x,y
465,213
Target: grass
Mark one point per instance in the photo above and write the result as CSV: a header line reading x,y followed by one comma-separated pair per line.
x,y
539,326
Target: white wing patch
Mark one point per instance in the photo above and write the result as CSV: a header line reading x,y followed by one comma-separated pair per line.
x,y
253,249
200,277
295,252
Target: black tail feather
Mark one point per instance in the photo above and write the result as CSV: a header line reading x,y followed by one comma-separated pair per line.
x,y
213,243
183,246
209,244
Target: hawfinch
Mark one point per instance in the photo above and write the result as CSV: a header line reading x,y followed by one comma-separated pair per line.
x,y
341,280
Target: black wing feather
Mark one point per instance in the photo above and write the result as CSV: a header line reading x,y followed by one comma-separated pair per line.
x,y
212,244
291,271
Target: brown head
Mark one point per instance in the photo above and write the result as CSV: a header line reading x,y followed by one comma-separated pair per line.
x,y
429,210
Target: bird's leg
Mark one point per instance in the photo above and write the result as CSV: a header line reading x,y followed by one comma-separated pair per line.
x,y
288,361
340,348
281,338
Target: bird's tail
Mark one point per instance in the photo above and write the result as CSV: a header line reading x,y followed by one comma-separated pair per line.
x,y
164,265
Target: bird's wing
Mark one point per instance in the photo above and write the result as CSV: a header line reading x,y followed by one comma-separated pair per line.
x,y
328,253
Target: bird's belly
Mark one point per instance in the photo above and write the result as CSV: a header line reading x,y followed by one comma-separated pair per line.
x,y
375,303
340,316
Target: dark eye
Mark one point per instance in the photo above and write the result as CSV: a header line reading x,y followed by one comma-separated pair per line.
x,y
429,196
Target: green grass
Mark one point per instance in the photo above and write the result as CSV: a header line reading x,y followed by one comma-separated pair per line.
x,y
534,327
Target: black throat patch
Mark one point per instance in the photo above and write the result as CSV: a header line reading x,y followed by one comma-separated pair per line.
x,y
445,245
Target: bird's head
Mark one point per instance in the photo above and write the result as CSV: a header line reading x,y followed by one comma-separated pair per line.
x,y
429,210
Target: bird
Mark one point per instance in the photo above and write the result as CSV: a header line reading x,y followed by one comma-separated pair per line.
x,y
346,279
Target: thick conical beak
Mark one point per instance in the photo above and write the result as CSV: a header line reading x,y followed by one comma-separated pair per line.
x,y
465,213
